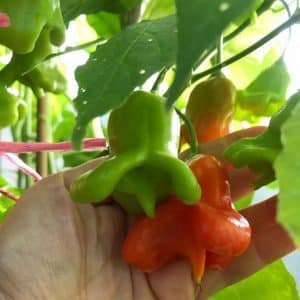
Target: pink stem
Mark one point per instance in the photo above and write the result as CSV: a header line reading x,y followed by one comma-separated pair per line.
x,y
21,147
9,194
21,165
4,20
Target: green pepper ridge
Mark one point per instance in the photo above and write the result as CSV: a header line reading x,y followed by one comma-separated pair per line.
x,y
143,167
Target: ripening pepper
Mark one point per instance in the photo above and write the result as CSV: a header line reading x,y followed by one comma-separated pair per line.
x,y
210,108
11,108
216,208
27,20
177,229
216,261
143,166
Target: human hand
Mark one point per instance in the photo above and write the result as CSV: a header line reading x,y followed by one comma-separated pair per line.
x,y
52,248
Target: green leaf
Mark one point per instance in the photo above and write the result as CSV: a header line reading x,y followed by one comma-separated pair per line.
x,y
273,282
158,9
73,8
287,167
3,181
105,24
243,202
116,68
6,204
259,153
266,94
200,24
244,71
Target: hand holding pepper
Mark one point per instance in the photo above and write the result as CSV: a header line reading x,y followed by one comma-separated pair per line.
x,y
73,250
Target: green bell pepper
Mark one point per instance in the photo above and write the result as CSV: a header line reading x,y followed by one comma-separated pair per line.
x,y
28,18
20,64
143,166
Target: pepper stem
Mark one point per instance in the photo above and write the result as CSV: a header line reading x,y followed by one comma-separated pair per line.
x,y
192,132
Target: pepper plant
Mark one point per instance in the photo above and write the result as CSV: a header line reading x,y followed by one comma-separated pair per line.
x,y
161,79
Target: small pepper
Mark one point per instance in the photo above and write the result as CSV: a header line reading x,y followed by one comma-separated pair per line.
x,y
47,77
216,208
210,108
153,242
143,166
12,109
27,20
191,231
20,64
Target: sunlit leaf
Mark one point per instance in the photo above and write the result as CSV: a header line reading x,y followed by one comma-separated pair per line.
x,y
266,93
105,24
287,166
273,282
159,8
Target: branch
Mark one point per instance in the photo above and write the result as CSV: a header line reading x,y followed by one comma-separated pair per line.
x,y
294,19
21,147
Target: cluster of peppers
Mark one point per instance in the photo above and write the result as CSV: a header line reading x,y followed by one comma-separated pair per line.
x,y
188,207
33,29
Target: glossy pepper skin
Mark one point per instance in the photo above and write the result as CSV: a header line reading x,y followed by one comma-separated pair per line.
x,y
143,166
22,63
191,231
27,19
210,108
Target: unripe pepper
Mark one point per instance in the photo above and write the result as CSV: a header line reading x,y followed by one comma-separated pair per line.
x,y
179,230
23,63
11,108
27,20
210,108
143,167
47,77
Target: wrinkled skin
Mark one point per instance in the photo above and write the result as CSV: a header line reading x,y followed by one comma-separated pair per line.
x,y
51,248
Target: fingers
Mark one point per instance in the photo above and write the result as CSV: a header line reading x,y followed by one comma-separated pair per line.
x,y
241,180
70,175
270,241
218,146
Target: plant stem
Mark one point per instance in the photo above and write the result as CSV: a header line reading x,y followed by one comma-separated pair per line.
x,y
42,132
264,7
159,79
75,48
192,133
91,144
9,195
294,19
